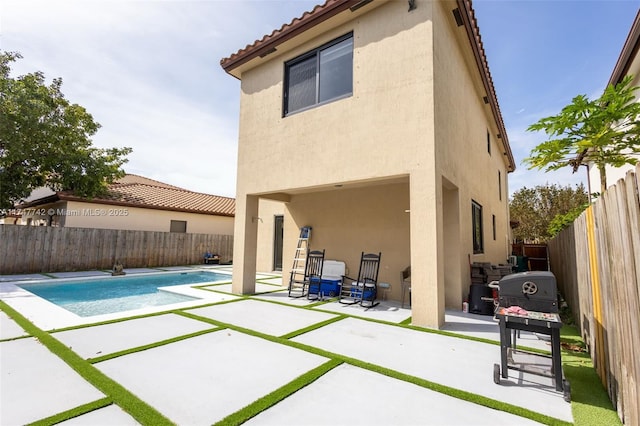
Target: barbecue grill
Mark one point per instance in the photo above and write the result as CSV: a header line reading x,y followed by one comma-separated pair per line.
x,y
529,301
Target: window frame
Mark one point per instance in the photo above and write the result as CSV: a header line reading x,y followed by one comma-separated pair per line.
x,y
306,56
174,223
477,227
493,223
489,142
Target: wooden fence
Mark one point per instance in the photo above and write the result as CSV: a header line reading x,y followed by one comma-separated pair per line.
x,y
597,264
31,249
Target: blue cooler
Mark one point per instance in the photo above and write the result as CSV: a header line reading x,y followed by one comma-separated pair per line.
x,y
332,272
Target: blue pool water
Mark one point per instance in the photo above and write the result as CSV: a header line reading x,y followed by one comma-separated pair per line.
x,y
116,294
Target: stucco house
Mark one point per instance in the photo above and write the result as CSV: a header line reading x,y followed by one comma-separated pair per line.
x,y
133,203
628,63
377,124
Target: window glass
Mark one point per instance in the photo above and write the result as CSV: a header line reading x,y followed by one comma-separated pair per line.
x,y
493,222
488,143
336,70
476,213
321,75
178,226
302,84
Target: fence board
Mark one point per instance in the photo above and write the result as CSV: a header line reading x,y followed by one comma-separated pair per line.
x,y
33,249
616,216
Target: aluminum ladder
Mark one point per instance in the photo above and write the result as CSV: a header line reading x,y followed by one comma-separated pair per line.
x,y
296,289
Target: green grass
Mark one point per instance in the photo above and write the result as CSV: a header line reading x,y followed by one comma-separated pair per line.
x,y
278,395
116,393
590,403
447,390
74,412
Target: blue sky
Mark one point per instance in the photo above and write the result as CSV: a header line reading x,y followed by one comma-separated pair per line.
x,y
149,71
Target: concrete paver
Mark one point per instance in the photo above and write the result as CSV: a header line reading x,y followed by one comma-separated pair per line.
x,y
128,334
78,274
264,317
36,384
202,379
385,311
23,277
349,395
205,378
226,288
484,326
459,363
9,329
140,270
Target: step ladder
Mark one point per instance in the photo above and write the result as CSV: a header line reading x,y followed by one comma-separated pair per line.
x,y
296,280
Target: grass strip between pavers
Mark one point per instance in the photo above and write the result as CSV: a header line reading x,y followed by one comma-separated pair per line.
x,y
150,346
312,327
74,412
446,390
138,409
278,395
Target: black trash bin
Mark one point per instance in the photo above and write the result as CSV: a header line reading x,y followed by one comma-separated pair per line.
x,y
480,299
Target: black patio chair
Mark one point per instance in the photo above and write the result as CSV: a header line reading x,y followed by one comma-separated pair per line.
x,y
364,289
310,279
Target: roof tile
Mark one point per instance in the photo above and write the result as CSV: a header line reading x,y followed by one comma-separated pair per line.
x,y
138,191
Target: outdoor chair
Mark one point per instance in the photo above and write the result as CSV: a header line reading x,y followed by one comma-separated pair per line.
x,y
364,289
300,285
405,284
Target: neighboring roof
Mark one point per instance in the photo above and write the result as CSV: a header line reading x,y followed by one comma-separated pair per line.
x,y
629,52
330,8
131,178
138,191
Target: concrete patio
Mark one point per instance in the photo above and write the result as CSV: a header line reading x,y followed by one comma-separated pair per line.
x,y
242,349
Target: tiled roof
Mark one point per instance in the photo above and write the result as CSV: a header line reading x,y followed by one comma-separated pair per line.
x,y
131,178
319,14
330,8
628,54
138,191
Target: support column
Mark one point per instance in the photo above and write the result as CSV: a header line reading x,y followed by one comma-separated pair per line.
x,y
245,243
427,277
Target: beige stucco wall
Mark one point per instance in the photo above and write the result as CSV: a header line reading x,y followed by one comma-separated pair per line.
x,y
393,168
75,214
342,225
365,136
463,159
268,210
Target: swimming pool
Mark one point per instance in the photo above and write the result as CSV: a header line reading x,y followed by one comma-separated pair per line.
x,y
91,297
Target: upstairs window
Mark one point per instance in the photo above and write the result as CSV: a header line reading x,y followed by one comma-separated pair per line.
x,y
488,143
320,76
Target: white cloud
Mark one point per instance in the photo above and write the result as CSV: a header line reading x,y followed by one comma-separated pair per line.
x,y
149,72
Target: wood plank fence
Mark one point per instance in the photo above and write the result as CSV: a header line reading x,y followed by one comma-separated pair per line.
x,y
32,249
597,264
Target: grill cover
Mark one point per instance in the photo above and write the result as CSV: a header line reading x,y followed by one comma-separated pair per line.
x,y
533,291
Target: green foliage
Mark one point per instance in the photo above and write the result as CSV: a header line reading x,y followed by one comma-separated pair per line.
x,y
561,221
535,209
603,131
46,141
